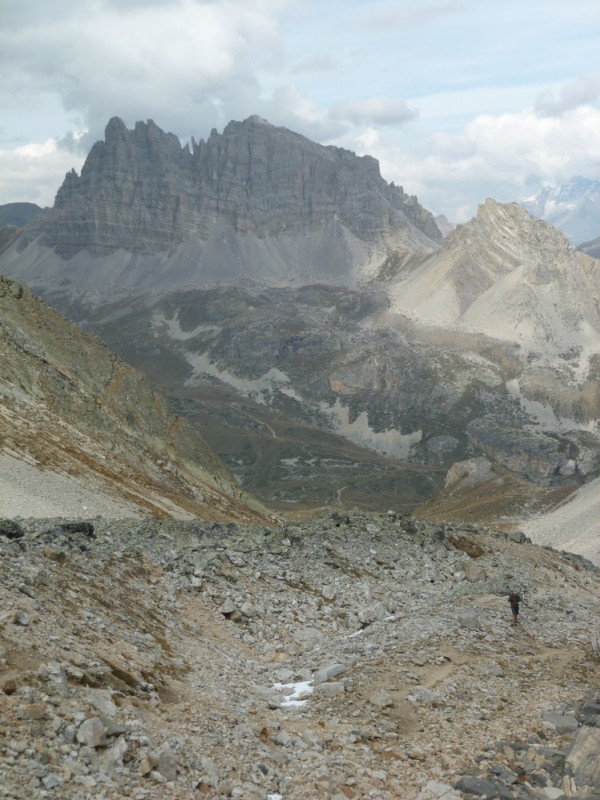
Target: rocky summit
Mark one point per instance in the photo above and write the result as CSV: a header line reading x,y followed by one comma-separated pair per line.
x,y
352,656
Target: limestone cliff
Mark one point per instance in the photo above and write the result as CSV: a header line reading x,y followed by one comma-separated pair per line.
x,y
142,192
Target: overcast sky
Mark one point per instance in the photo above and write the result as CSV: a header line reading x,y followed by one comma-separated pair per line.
x,y
459,100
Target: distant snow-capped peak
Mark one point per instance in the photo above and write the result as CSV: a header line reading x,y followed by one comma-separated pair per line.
x,y
573,207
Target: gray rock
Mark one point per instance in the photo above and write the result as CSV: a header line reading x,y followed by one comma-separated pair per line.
x,y
91,732
328,593
167,764
421,694
381,699
55,677
52,781
330,688
471,623
372,613
228,607
435,790
327,673
553,793
491,669
564,723
474,573
482,788
10,529
101,700
583,758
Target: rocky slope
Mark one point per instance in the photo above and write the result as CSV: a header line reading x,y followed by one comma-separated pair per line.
x,y
516,279
348,657
71,408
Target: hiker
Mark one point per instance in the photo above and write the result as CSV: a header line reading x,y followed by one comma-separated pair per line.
x,y
514,598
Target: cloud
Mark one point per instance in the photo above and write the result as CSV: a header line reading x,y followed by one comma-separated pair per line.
x,y
411,15
180,61
581,91
34,172
506,156
317,64
376,111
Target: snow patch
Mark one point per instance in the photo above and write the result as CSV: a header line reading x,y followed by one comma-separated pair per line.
x,y
274,379
175,331
390,442
296,694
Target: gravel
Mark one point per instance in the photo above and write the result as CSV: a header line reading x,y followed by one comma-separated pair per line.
x,y
27,491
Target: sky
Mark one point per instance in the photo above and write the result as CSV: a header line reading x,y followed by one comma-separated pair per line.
x,y
459,100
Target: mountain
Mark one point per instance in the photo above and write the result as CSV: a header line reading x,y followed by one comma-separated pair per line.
x,y
18,214
591,248
515,279
77,420
253,203
444,224
511,277
574,208
309,319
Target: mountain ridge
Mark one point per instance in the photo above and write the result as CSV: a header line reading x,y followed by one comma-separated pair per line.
x,y
238,206
504,250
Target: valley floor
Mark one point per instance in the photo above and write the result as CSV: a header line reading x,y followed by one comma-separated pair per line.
x,y
157,660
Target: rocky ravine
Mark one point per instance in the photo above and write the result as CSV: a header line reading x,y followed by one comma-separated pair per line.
x,y
349,657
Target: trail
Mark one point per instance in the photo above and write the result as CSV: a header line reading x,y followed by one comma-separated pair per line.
x,y
254,419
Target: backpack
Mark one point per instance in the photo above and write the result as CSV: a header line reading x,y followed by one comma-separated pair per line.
x,y
513,598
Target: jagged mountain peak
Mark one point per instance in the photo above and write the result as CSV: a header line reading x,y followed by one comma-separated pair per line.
x,y
503,220
504,236
257,203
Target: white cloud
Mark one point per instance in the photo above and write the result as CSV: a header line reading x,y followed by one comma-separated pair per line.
x,y
34,172
583,90
505,157
376,111
168,60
